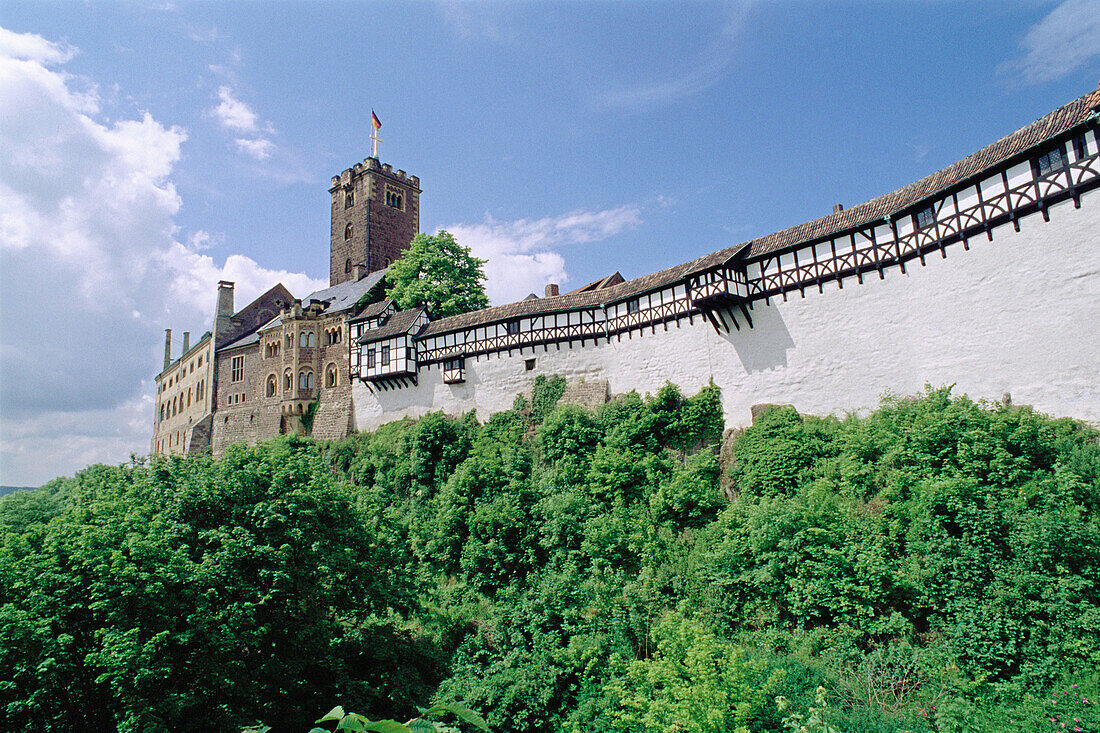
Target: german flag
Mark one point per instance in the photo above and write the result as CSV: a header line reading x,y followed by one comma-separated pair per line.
x,y
377,122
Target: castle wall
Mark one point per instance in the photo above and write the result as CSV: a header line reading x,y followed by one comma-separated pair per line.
x,y
183,399
1018,315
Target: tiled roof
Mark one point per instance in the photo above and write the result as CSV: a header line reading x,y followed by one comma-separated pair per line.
x,y
604,282
346,294
247,340
1059,121
399,323
373,310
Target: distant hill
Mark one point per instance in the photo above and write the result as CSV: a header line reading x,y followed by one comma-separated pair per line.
x,y
5,490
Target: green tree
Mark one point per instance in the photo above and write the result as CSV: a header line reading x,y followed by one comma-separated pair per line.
x,y
438,272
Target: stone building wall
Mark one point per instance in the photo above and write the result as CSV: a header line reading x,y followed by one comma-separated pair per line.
x,y
1015,315
379,232
183,394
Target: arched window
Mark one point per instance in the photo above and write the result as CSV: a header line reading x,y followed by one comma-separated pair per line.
x,y
311,339
272,385
288,381
289,342
188,396
347,266
305,380
162,411
349,199
332,375
348,231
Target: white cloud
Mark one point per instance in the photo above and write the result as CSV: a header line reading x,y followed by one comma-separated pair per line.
x,y
1061,42
90,268
33,47
702,73
260,148
521,256
202,240
235,115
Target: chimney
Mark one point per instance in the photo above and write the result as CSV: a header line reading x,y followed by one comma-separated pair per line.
x,y
225,298
167,347
223,312
357,272
186,341
837,208
551,290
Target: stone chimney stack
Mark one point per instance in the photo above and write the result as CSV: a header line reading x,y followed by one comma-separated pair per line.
x,y
225,298
357,272
186,341
551,290
167,347
223,311
837,208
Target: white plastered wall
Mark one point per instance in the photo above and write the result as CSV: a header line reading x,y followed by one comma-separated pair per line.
x,y
1020,314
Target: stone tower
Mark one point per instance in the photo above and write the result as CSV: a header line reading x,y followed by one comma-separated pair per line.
x,y
375,215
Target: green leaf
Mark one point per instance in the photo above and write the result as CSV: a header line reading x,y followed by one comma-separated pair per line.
x,y
318,730
419,725
351,722
337,713
387,726
460,711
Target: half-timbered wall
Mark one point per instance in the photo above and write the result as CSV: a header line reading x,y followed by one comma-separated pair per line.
x,y
994,289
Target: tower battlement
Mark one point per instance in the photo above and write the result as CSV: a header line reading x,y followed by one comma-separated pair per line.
x,y
375,215
373,164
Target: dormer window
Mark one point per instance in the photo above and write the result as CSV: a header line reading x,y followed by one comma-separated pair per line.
x,y
1051,161
925,217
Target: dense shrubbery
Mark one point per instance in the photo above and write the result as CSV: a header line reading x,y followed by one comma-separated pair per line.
x,y
935,565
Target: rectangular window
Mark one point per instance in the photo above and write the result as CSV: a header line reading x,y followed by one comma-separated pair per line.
x,y
513,327
385,356
529,365
925,217
633,306
1054,160
237,370
1081,146
370,358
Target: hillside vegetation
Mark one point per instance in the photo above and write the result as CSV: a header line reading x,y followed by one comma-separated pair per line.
x,y
932,566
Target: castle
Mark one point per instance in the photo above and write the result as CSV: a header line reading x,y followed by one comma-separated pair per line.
x,y
985,275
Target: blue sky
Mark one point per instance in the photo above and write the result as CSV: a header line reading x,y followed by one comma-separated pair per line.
x,y
150,149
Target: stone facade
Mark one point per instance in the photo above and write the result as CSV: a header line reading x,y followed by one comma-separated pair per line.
x,y
375,215
184,393
983,275
187,388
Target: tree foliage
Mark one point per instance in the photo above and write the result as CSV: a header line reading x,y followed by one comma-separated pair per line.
x,y
437,272
560,569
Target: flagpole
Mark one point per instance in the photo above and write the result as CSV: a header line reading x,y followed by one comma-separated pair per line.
x,y
374,126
